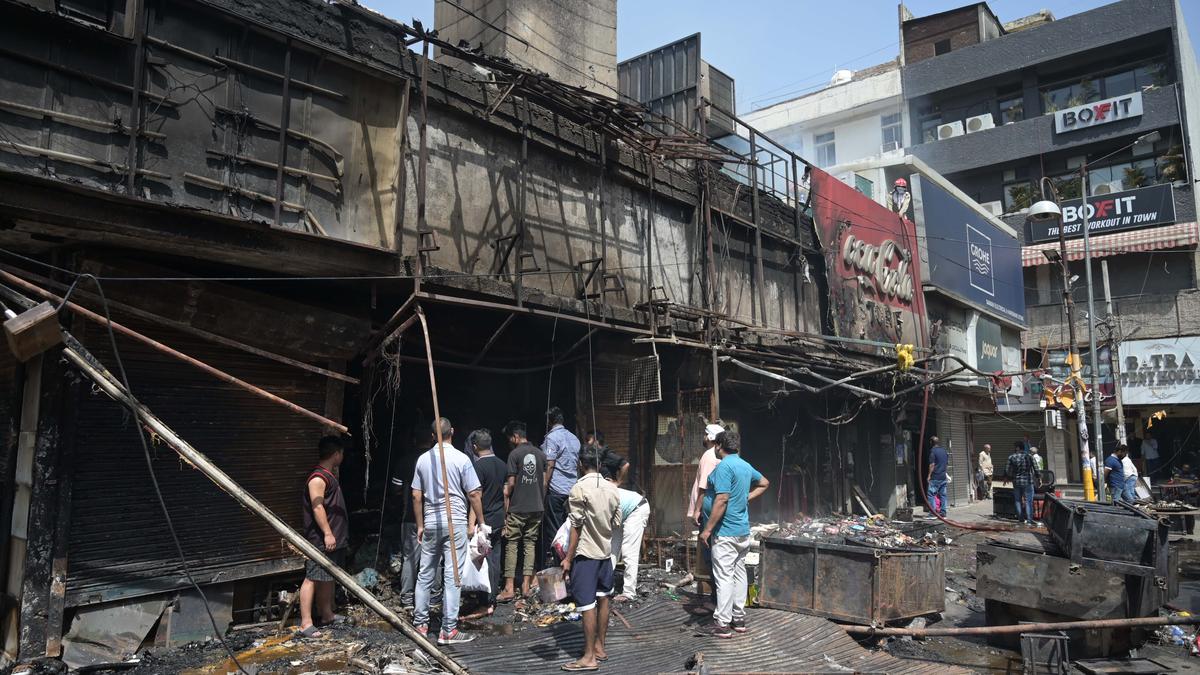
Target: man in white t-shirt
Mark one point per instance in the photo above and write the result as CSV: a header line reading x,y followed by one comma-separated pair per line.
x,y
1150,453
433,530
1131,478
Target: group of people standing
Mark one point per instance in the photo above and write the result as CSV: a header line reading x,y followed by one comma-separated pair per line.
x,y
567,490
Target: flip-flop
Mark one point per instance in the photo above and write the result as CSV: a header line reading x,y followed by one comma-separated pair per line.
x,y
337,620
602,660
310,632
576,668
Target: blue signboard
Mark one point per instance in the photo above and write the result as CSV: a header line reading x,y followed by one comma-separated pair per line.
x,y
970,258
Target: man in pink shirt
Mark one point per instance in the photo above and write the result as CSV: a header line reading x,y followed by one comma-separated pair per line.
x,y
708,462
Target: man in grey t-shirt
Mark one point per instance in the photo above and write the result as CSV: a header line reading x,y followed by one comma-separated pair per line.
x,y
433,530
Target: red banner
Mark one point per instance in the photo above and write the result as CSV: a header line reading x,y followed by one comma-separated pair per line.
x,y
870,258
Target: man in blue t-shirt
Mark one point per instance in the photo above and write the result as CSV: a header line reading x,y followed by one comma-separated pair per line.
x,y
726,533
936,478
1114,473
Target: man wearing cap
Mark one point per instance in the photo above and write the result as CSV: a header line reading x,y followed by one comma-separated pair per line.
x,y
708,462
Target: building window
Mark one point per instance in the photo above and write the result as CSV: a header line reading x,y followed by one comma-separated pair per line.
x,y
1122,176
1066,185
823,144
930,118
893,134
1012,109
1017,196
941,47
1105,85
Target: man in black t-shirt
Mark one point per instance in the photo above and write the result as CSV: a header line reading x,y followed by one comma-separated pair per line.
x,y
523,494
492,473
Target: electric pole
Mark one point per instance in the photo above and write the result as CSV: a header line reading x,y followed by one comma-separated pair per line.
x,y
1114,345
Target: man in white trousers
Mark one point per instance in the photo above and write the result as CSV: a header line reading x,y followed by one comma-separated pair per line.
x,y
627,537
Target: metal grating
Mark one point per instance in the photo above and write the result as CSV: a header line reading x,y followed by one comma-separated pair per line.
x,y
662,636
638,381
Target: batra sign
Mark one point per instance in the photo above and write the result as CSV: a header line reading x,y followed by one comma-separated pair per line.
x,y
1100,112
884,265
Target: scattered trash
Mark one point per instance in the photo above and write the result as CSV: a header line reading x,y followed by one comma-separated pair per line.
x,y
875,531
669,564
368,578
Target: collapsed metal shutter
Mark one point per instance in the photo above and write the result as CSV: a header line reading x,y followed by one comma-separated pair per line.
x,y
119,542
952,428
1002,432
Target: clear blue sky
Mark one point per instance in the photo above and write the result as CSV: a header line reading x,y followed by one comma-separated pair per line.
x,y
777,49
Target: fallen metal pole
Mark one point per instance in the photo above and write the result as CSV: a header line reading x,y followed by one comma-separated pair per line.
x,y
437,427
155,344
1029,627
106,382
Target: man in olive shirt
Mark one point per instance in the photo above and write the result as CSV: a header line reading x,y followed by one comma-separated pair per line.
x,y
594,509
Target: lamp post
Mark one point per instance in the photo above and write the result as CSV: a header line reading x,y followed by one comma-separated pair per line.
x,y
1050,210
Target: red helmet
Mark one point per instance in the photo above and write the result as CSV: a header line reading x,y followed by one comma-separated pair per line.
x,y
900,182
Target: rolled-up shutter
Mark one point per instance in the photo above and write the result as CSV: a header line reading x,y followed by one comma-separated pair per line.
x,y
119,542
952,428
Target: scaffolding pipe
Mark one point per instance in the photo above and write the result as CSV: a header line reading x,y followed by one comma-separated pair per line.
x,y
198,460
1029,627
437,428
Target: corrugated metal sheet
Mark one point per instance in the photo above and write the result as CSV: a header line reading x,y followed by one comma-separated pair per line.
x,y
666,80
952,427
119,543
664,637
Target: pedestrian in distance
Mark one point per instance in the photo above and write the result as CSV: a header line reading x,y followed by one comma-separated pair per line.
x,y
326,526
731,488
433,528
627,538
1114,474
524,492
493,475
561,448
1131,477
985,470
1150,453
935,477
1022,472
594,511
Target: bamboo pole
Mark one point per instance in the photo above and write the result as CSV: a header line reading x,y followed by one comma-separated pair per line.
x,y
158,346
198,460
1030,627
437,427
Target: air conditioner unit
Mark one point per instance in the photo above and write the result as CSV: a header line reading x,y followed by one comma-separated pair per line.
x,y
950,130
980,123
1107,188
890,146
995,208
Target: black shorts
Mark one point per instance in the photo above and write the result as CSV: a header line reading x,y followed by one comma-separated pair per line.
x,y
314,572
590,579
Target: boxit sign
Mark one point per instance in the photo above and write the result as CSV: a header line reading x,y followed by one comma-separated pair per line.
x,y
1101,112
1128,210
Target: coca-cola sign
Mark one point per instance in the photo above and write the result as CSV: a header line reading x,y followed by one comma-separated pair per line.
x,y
874,287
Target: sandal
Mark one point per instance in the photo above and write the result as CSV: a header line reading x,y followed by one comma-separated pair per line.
x,y
574,667
337,620
310,632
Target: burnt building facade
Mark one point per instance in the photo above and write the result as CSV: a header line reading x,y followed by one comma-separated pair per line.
x,y
272,189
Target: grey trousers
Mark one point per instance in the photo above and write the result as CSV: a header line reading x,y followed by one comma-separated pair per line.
x,y
729,574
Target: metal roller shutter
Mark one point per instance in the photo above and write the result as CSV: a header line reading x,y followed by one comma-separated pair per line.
x,y
1003,431
952,428
119,542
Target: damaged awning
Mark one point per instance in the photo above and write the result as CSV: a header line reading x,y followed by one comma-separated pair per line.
x,y
1152,239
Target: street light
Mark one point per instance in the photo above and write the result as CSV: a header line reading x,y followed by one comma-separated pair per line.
x,y
1047,210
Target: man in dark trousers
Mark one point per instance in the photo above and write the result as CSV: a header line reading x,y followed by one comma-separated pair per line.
x,y
492,473
523,495
936,477
1022,471
327,527
562,455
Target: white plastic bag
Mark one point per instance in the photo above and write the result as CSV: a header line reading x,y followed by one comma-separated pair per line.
x,y
476,578
562,539
481,544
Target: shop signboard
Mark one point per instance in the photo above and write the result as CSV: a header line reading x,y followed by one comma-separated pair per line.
x,y
1128,210
1094,114
988,356
1160,372
971,258
874,288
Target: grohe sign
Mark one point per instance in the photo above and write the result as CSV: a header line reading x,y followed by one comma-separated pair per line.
x,y
1100,112
1128,210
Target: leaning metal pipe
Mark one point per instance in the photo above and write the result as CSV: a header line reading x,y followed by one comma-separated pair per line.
x,y
114,389
1029,627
